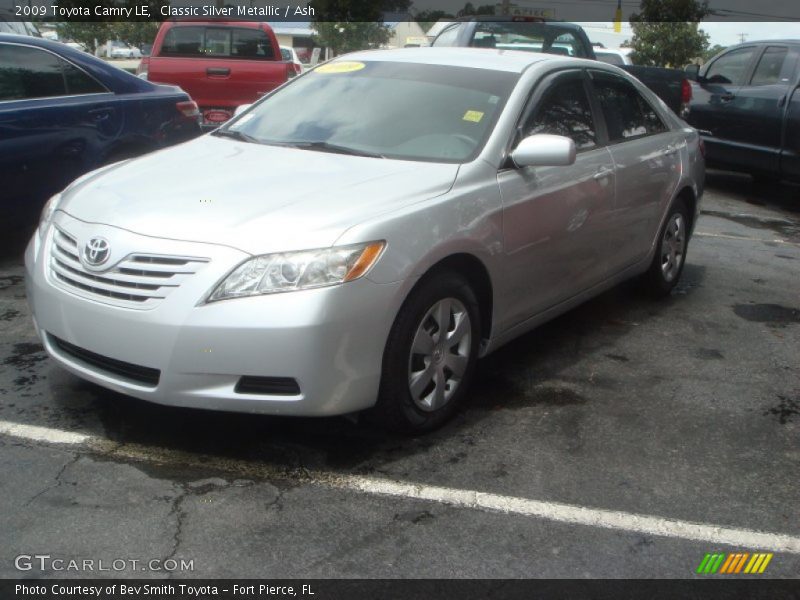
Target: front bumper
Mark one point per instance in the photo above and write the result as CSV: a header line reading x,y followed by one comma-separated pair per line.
x,y
329,340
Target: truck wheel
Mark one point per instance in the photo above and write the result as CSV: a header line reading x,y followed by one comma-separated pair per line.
x,y
670,256
430,355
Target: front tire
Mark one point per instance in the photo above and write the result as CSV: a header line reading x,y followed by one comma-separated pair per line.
x,y
670,256
430,355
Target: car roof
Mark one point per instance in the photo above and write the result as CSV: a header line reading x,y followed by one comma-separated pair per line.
x,y
513,61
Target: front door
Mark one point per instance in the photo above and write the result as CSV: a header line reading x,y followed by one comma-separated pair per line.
x,y
555,219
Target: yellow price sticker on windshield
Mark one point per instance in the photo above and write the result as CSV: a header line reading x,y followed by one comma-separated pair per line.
x,y
474,116
344,66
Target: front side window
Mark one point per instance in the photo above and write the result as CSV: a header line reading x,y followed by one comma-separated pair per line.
x,y
564,110
627,113
730,68
363,107
770,65
227,42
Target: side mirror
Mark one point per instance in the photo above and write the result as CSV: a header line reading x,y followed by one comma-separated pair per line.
x,y
692,72
544,150
240,109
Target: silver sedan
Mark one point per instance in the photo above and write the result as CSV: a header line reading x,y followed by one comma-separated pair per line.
x,y
361,236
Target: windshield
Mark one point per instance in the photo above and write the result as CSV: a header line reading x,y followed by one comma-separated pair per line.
x,y
387,109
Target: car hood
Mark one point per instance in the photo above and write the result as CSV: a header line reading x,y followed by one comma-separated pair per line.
x,y
252,197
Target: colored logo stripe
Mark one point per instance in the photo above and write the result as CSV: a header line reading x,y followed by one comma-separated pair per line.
x,y
734,562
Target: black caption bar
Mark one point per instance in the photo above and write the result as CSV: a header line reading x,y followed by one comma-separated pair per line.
x,y
379,10
397,589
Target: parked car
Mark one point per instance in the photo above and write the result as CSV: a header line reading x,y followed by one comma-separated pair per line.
x,y
288,54
329,251
64,112
9,24
613,56
530,34
220,64
121,50
746,106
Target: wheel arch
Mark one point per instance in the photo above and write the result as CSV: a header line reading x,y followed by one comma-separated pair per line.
x,y
475,272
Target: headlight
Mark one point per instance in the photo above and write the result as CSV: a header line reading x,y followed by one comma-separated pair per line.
x,y
47,213
291,271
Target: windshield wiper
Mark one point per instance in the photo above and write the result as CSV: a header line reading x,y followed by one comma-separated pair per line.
x,y
328,147
236,135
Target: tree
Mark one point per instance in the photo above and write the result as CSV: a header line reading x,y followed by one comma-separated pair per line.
x,y
666,32
712,52
349,37
349,25
427,18
135,33
469,10
89,35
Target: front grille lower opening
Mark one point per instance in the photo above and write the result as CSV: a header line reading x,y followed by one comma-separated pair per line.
x,y
136,373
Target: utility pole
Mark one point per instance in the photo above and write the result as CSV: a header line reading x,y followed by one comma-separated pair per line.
x,y
742,37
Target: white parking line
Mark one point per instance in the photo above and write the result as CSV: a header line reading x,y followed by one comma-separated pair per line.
x,y
725,236
42,434
551,511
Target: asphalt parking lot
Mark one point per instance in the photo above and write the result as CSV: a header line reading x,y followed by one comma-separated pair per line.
x,y
625,439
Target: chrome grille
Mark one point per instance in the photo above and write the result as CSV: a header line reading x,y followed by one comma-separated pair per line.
x,y
138,281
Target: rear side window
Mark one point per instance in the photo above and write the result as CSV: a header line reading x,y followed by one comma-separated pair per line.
x,y
227,42
627,113
565,110
770,65
27,73
730,68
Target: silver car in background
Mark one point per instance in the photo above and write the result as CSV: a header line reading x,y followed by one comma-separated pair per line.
x,y
361,236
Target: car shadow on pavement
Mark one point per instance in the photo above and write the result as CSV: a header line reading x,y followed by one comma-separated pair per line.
x,y
740,186
514,377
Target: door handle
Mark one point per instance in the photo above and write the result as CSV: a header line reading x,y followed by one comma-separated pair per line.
x,y
100,114
727,97
602,173
218,71
670,150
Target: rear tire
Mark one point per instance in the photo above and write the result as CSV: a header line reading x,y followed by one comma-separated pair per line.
x,y
670,256
430,355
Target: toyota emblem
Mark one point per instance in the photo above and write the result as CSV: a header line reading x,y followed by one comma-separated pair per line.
x,y
96,251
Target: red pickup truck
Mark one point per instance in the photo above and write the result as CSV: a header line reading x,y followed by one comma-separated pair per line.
x,y
220,64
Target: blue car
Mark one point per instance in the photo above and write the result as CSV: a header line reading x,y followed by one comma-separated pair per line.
x,y
64,112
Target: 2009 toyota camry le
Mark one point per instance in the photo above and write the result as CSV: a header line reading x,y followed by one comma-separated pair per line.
x,y
361,236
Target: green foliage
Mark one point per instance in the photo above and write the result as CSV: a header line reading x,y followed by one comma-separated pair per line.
x,y
469,9
135,33
712,52
351,36
666,32
349,25
90,35
427,18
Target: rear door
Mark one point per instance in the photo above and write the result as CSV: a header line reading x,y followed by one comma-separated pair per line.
x,y
55,122
646,155
555,219
218,66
